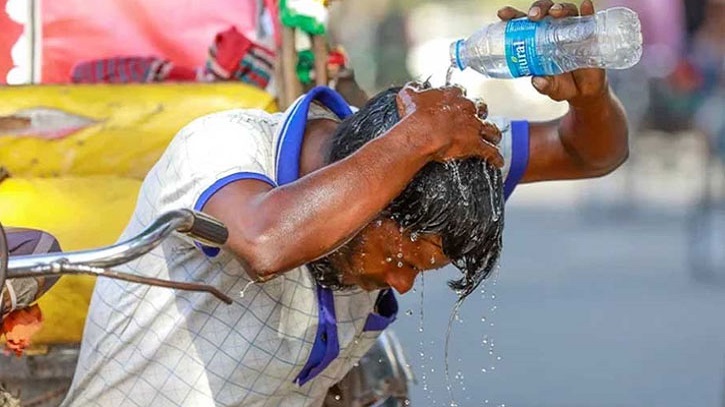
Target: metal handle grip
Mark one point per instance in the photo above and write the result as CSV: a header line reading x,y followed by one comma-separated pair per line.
x,y
207,230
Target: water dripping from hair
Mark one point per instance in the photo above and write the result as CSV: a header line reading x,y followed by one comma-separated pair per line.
x,y
453,166
454,316
492,198
421,344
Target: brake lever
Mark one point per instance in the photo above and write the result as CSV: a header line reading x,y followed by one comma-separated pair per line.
x,y
63,267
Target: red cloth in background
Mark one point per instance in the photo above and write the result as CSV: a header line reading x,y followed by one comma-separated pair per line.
x,y
9,35
232,56
131,70
178,30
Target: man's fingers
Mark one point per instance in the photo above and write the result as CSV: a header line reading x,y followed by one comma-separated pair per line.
x,y
491,154
509,13
412,86
587,8
404,100
562,87
560,10
454,91
491,133
481,108
542,84
539,9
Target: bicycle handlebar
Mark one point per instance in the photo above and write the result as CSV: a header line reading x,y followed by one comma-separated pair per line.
x,y
196,225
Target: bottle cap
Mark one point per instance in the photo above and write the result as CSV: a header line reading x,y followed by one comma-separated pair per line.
x,y
456,54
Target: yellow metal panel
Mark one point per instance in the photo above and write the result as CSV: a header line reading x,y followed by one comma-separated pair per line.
x,y
82,212
131,124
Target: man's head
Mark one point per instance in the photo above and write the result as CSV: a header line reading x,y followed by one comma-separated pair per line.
x,y
449,212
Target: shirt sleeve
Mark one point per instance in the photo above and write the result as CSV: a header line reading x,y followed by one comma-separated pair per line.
x,y
208,154
515,150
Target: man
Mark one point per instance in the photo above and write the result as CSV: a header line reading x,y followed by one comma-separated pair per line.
x,y
323,218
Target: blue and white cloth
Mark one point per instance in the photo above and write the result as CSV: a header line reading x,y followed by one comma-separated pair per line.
x,y
284,342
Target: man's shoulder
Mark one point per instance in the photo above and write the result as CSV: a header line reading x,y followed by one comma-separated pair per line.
x,y
241,130
232,117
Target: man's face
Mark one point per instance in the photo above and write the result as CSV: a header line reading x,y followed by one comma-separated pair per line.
x,y
382,256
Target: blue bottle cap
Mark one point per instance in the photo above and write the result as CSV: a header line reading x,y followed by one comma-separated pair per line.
x,y
459,63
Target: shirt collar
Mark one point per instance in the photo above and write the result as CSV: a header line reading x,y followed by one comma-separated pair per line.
x,y
291,133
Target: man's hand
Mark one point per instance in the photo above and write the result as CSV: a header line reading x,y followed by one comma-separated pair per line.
x,y
450,122
581,87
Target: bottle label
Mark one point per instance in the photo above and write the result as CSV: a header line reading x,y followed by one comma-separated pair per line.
x,y
521,55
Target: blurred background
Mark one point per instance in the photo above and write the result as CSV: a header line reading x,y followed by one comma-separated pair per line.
x,y
611,291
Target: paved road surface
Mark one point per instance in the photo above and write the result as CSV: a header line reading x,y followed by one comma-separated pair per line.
x,y
593,308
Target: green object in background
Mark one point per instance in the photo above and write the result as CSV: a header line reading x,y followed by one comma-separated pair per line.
x,y
305,66
309,16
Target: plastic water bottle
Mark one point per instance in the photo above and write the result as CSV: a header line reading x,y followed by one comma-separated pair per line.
x,y
609,39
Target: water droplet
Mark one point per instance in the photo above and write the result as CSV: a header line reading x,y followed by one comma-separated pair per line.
x,y
409,312
490,352
337,397
400,255
400,264
241,293
433,260
493,367
483,319
413,237
483,370
498,357
406,402
380,360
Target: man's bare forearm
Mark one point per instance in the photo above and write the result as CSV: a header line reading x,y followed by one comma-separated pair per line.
x,y
323,209
274,230
595,134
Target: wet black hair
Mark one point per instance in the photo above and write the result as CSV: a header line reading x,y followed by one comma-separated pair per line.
x,y
461,200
